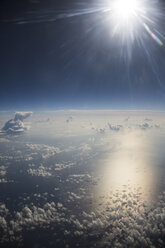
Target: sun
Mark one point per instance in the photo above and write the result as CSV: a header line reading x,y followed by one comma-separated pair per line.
x,y
125,9
132,18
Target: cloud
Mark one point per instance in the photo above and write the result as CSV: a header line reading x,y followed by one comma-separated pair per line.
x,y
69,119
126,119
101,130
62,166
128,225
41,171
119,219
43,121
46,151
2,170
115,128
16,125
147,119
157,126
146,126
22,115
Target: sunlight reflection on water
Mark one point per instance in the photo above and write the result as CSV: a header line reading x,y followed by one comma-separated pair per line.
x,y
128,176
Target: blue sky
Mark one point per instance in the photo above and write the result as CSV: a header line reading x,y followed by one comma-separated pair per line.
x,y
50,62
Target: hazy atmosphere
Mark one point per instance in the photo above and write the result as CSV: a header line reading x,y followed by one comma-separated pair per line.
x,y
82,124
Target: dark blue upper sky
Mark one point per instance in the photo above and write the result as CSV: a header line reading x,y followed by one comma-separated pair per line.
x,y
50,59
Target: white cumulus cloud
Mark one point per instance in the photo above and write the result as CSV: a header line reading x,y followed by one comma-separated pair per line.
x,y
16,125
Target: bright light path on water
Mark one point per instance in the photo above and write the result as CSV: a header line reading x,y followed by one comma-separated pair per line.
x,y
128,173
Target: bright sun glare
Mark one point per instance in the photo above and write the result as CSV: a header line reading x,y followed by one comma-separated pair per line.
x,y
131,18
125,9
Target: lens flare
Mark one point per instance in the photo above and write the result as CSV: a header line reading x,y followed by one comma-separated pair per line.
x,y
133,17
136,23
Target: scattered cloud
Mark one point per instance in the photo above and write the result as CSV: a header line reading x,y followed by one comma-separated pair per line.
x,y
41,171
124,221
125,224
46,151
115,128
146,126
2,170
60,166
